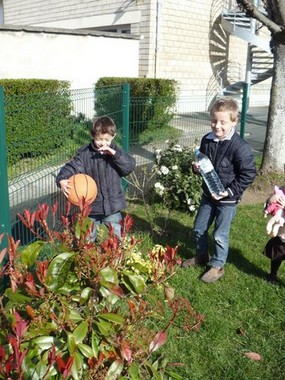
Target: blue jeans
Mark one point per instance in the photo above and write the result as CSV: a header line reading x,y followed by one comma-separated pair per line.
x,y
110,220
223,215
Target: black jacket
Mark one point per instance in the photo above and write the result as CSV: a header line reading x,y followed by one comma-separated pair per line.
x,y
107,172
233,162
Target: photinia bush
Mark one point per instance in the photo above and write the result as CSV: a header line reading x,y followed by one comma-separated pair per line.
x,y
72,308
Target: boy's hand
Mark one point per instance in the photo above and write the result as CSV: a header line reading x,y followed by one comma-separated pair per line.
x,y
195,167
224,194
65,186
106,149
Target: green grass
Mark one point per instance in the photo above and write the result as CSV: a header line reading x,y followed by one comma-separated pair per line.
x,y
159,135
243,312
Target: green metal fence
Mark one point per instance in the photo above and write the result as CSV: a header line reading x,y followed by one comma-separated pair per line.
x,y
40,132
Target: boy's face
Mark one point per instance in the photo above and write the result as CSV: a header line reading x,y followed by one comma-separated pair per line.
x,y
103,139
222,124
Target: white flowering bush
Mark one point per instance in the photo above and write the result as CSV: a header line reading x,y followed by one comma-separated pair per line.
x,y
176,184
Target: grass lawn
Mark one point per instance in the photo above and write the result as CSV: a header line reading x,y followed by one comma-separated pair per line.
x,y
243,312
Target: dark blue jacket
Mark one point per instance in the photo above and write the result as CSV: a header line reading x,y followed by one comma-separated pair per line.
x,y
107,171
233,162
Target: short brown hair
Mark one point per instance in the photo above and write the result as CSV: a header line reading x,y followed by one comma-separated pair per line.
x,y
226,105
103,124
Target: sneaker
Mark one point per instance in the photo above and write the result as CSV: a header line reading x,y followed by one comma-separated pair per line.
x,y
197,260
213,275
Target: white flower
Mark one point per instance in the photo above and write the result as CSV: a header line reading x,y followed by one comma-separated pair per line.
x,y
174,167
157,152
166,141
189,201
164,170
192,208
159,188
177,148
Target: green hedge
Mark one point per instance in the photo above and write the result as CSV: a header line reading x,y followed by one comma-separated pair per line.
x,y
37,116
151,102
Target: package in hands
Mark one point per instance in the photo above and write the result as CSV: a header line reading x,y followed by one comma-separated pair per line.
x,y
209,174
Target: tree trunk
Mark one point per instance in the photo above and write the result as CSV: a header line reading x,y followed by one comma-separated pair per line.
x,y
274,146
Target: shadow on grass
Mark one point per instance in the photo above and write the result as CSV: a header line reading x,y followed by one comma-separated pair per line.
x,y
172,233
244,265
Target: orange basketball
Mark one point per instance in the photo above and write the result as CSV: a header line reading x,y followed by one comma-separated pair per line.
x,y
82,185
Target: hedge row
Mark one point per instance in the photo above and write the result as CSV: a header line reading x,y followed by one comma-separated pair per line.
x,y
37,116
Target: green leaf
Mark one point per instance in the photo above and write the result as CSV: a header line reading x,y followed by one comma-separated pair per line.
x,y
33,369
86,350
81,229
42,329
109,275
95,344
134,371
115,370
80,332
58,270
105,328
30,253
112,317
71,343
152,370
174,375
110,296
85,295
77,366
133,282
44,342
17,297
75,316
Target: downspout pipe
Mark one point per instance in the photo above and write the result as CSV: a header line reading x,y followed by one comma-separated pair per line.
x,y
157,30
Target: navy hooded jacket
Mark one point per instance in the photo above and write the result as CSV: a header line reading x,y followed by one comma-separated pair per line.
x,y
107,171
233,162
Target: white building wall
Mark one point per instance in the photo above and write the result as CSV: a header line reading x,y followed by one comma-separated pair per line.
x,y
26,12
77,57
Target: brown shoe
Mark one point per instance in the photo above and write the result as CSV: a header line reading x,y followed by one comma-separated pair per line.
x,y
213,275
197,260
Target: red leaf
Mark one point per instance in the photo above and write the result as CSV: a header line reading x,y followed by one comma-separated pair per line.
x,y
126,351
252,355
20,327
60,363
158,341
2,254
116,289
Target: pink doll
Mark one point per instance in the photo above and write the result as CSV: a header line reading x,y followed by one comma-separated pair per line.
x,y
278,214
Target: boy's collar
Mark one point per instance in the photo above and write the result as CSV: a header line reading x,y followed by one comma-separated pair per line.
x,y
212,136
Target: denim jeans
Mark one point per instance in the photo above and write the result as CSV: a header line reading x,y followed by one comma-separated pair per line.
x,y
223,215
110,220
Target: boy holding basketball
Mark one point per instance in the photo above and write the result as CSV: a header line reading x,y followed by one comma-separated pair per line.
x,y
106,163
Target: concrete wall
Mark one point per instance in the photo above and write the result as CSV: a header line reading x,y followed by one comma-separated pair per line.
x,y
79,57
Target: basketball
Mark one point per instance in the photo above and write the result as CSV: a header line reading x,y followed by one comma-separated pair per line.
x,y
82,185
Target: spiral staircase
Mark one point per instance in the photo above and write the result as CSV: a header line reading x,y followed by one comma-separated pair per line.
x,y
260,58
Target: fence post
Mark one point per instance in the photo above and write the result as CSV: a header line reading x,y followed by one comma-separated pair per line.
x,y
245,101
126,123
126,116
5,222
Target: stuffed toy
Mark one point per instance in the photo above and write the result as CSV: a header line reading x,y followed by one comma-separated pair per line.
x,y
278,214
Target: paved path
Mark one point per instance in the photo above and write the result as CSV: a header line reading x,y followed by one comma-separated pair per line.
x,y
255,128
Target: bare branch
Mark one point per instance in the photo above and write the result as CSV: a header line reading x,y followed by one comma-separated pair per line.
x,y
253,11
